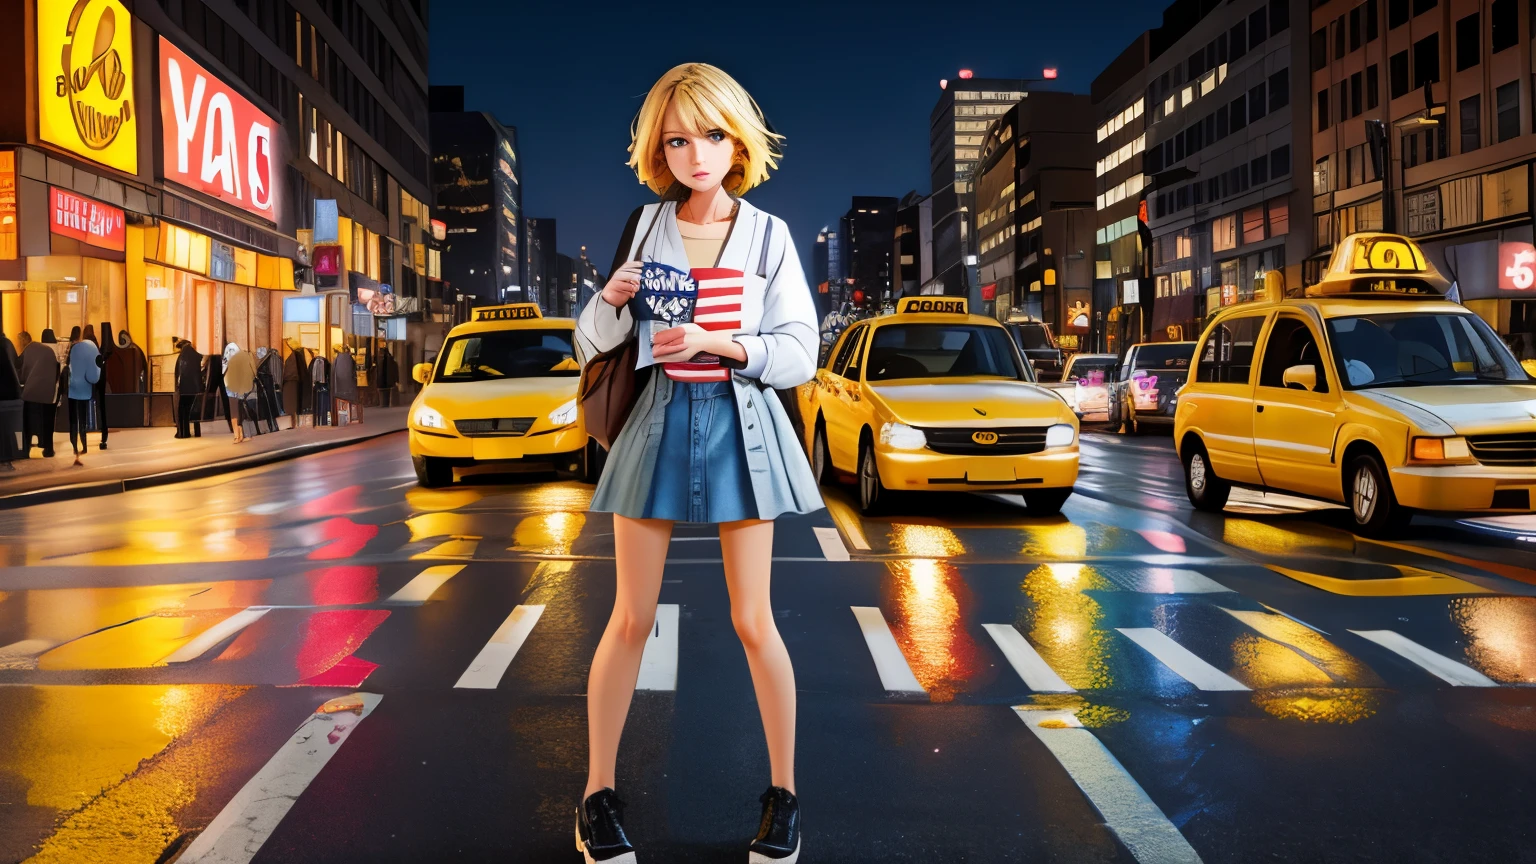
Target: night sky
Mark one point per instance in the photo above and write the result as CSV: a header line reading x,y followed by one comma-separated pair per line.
x,y
850,85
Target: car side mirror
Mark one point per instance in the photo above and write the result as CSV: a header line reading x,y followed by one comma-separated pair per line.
x,y
1139,373
1301,377
422,372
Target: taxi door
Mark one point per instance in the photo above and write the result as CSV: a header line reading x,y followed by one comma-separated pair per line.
x,y
839,398
1294,428
1223,397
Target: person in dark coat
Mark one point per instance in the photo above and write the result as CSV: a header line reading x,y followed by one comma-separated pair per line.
x,y
320,401
386,375
296,383
104,349
269,378
127,369
214,401
189,385
343,385
39,393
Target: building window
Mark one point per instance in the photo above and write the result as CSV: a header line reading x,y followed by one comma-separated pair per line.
x,y
1258,169
1224,233
1239,112
1397,73
1256,103
1471,137
1279,217
1468,44
1355,31
1279,16
1324,117
1280,161
1279,90
1321,177
1397,13
1422,6
1372,87
1339,35
1253,224
1426,61
1372,21
1505,17
1507,98
1356,94
1320,50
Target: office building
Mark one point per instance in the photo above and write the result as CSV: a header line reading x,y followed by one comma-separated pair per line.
x,y
914,244
1121,239
543,276
868,232
477,193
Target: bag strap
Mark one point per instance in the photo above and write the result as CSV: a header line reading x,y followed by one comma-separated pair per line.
x,y
762,259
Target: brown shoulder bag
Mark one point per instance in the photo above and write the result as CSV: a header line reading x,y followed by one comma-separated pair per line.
x,y
610,382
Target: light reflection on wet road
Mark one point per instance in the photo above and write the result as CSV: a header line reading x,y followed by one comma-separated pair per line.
x,y
157,648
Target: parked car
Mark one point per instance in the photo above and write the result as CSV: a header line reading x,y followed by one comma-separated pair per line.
x,y
1084,385
1144,386
1038,345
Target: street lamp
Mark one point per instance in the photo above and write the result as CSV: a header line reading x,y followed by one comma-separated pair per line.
x,y
1382,153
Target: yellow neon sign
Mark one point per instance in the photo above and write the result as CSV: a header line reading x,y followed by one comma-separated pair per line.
x,y
85,94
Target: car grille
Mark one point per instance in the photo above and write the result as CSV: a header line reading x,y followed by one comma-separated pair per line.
x,y
1016,441
1517,449
499,427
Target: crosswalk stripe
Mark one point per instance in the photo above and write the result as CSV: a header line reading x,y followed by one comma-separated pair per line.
x,y
207,639
1447,670
1025,660
895,675
1126,809
658,665
831,544
1181,660
421,588
245,823
1171,580
485,671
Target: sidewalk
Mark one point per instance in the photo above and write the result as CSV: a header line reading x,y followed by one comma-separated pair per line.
x,y
140,458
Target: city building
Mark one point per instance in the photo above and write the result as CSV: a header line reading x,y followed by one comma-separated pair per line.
x,y
1121,239
1220,158
827,269
586,278
477,193
290,222
543,275
1034,192
956,127
868,233
914,244
1450,84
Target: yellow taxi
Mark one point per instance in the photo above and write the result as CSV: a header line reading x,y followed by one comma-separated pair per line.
x,y
934,398
503,390
1371,390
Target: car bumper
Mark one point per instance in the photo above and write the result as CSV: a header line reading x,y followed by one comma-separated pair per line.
x,y
1464,488
914,470
443,445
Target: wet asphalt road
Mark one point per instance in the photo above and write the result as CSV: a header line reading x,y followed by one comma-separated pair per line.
x,y
1215,699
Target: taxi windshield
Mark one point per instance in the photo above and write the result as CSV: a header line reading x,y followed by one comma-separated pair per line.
x,y
497,354
1419,348
942,351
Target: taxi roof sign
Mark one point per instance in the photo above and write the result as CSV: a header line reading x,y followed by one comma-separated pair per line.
x,y
1381,265
510,312
932,305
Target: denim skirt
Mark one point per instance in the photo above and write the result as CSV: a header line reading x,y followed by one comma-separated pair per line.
x,y
701,470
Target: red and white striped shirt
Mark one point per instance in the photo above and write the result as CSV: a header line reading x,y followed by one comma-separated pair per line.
x,y
718,308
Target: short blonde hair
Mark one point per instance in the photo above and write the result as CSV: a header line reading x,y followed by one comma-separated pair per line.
x,y
706,99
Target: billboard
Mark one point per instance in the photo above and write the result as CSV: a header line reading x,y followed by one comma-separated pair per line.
x,y
85,99
213,140
70,215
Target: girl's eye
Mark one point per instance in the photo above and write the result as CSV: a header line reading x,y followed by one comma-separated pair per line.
x,y
677,142
717,136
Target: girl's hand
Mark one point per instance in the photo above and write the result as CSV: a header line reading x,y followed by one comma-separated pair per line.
x,y
623,284
681,344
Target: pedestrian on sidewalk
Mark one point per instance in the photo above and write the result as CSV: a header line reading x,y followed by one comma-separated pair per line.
x,y
84,372
107,349
239,381
39,394
189,386
706,399
23,340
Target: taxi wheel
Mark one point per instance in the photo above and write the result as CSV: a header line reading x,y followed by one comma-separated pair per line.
x,y
431,472
821,458
1371,502
1046,502
1206,491
873,496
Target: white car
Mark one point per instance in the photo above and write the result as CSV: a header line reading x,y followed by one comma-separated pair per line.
x,y
1084,385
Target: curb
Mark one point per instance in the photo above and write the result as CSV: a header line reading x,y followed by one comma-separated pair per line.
x,y
181,475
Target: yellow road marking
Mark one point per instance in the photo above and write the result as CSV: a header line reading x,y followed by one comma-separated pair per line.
x,y
1508,571
847,521
1413,583
458,547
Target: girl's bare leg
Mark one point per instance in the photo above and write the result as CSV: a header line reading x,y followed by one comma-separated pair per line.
x,y
640,551
748,551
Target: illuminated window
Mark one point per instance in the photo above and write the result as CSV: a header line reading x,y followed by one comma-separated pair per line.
x,y
1224,233
1253,224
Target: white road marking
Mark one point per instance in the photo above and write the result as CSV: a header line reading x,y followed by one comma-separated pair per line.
x,y
485,671
245,823
1025,660
23,654
207,639
1181,660
1294,618
1447,670
1169,580
421,588
895,675
831,544
1126,809
658,665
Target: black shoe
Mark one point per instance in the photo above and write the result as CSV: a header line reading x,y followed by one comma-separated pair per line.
x,y
778,837
102,445
600,829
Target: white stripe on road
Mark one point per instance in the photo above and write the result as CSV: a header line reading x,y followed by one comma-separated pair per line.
x,y
831,544
658,665
216,634
1025,660
1171,580
421,588
1183,662
245,823
895,675
1126,809
485,671
1447,670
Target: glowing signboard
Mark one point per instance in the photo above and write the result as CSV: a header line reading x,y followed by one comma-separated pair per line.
x,y
85,100
213,140
92,222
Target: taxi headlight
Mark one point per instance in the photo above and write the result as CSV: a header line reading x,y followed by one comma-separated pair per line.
x,y
1060,435
1440,449
902,437
564,415
428,418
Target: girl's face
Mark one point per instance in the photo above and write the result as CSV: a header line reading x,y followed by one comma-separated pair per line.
x,y
699,162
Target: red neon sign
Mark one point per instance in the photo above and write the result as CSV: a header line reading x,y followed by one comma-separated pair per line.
x,y
88,221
